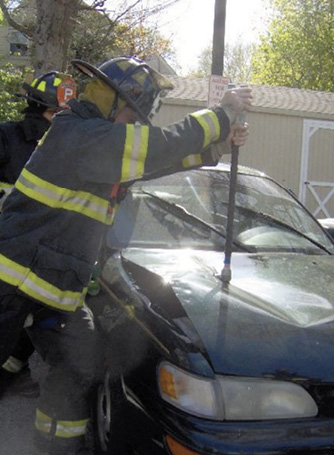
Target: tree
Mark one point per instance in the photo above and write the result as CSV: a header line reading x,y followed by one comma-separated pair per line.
x,y
236,62
297,49
95,38
51,25
48,24
11,105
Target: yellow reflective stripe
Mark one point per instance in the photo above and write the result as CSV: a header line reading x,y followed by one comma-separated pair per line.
x,y
6,185
192,160
28,282
64,428
42,86
71,429
57,197
56,81
210,124
13,365
11,272
135,152
41,290
43,422
42,139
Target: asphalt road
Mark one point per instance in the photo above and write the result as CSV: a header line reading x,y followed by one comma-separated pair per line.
x,y
17,415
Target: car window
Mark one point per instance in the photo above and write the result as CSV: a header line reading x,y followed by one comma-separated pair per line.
x,y
267,217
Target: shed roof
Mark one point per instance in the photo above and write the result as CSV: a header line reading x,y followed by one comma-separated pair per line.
x,y
265,98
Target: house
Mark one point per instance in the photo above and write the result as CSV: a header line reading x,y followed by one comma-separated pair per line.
x,y
291,136
13,47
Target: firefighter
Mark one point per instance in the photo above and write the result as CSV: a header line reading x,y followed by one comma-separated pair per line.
x,y
46,95
59,208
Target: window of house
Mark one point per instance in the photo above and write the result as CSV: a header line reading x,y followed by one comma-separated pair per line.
x,y
18,44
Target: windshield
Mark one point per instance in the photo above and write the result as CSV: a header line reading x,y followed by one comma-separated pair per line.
x,y
189,210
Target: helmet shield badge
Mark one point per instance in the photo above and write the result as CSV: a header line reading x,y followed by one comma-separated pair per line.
x,y
66,90
52,90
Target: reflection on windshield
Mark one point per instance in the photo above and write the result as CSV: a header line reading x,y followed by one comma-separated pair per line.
x,y
203,194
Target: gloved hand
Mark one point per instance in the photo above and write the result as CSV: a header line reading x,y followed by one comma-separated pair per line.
x,y
235,101
238,136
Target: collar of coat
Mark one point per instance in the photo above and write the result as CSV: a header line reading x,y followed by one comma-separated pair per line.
x,y
34,126
84,109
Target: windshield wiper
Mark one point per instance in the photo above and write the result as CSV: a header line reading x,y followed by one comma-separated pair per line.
x,y
180,212
280,223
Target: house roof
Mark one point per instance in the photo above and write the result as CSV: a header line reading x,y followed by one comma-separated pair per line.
x,y
293,100
160,64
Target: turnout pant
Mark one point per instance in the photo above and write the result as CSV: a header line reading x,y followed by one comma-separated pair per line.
x,y
21,354
69,344
14,310
71,349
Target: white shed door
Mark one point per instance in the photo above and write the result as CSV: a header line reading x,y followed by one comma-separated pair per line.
x,y
316,189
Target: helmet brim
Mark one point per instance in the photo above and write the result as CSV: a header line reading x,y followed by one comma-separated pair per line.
x,y
92,71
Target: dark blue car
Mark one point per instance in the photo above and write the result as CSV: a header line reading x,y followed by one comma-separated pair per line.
x,y
195,366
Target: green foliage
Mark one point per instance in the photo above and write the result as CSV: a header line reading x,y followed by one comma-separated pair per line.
x,y
11,105
297,49
236,62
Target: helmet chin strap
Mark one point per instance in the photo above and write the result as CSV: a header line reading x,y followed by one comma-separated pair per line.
x,y
155,106
114,108
113,111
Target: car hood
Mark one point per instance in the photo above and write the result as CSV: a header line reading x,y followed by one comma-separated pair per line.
x,y
275,318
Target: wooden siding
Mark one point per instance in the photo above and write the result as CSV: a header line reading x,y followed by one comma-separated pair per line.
x,y
274,144
274,147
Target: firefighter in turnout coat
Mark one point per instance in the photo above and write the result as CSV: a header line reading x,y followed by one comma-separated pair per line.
x,y
46,95
59,209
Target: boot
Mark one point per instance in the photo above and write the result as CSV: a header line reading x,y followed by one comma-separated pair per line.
x,y
20,383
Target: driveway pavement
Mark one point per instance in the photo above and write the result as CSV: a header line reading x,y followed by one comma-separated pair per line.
x,y
17,415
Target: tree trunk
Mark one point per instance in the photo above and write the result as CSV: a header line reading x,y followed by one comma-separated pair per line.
x,y
55,19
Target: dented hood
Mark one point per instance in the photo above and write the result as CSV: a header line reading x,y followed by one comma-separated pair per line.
x,y
275,318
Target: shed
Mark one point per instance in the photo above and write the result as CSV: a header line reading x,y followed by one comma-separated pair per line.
x,y
291,136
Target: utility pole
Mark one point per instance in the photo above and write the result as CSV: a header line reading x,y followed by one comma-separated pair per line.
x,y
218,38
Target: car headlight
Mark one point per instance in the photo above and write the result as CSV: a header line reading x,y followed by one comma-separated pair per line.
x,y
191,393
258,399
230,398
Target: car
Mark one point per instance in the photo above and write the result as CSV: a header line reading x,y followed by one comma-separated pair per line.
x,y
197,364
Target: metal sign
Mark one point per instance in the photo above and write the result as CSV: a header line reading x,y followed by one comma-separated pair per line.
x,y
217,87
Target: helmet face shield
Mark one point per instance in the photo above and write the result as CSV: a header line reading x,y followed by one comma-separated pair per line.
x,y
52,90
137,83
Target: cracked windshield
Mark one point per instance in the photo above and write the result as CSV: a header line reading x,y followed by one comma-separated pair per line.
x,y
190,210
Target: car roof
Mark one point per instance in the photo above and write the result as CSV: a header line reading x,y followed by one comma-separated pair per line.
x,y
241,169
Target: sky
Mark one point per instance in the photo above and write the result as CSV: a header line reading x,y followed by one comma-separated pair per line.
x,y
191,23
